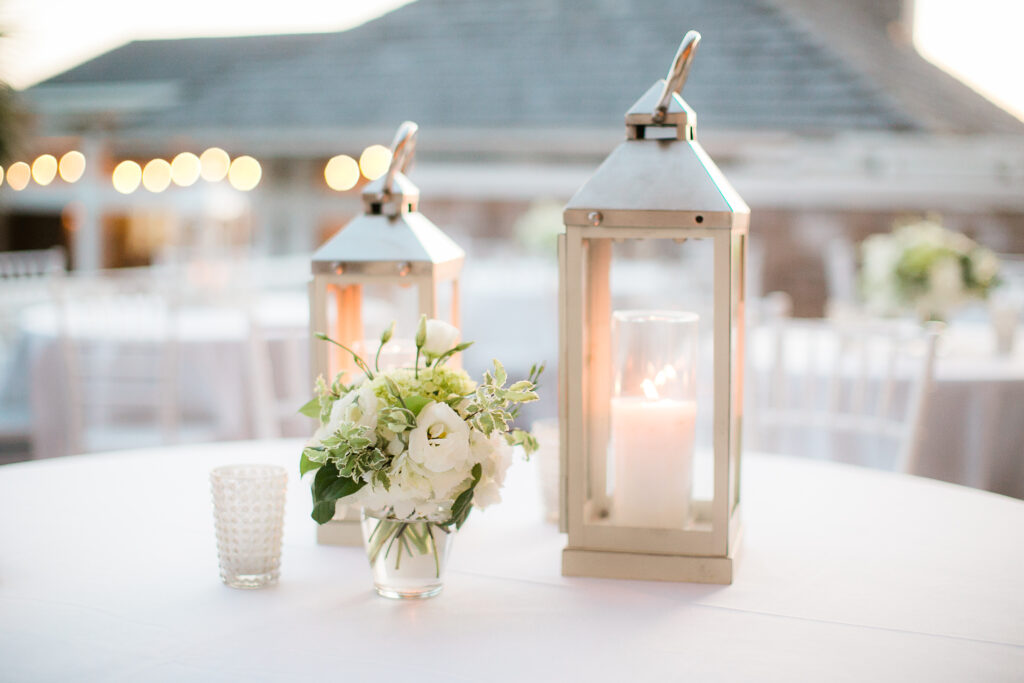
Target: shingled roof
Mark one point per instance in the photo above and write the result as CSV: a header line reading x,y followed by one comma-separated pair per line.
x,y
520,64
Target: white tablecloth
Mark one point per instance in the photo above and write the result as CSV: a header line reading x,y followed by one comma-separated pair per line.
x,y
974,422
108,572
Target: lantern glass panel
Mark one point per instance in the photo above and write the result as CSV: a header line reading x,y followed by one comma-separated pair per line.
x,y
357,314
650,313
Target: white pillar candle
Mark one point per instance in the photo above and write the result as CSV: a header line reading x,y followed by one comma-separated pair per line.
x,y
653,445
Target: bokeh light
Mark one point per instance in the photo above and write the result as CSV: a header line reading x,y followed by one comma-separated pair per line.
x,y
185,169
156,176
245,173
44,169
341,173
214,164
127,176
1,175
374,161
72,166
18,175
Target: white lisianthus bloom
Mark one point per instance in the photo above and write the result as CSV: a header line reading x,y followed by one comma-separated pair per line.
x,y
440,337
415,492
359,406
486,493
440,440
495,456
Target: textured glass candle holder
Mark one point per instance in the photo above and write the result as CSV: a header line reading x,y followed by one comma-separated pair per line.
x,y
248,511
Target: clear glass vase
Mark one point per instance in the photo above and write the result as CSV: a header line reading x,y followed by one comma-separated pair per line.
x,y
408,557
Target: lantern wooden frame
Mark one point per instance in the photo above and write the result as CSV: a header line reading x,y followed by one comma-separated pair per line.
x,y
391,243
661,188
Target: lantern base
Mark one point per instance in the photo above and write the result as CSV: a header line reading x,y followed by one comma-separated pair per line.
x,y
345,529
602,564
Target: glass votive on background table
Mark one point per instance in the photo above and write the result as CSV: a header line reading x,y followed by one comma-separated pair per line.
x,y
248,512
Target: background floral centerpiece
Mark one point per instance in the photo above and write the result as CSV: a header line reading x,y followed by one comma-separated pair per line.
x,y
926,268
417,448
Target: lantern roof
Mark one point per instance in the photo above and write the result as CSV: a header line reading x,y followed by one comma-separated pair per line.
x,y
660,169
391,228
409,237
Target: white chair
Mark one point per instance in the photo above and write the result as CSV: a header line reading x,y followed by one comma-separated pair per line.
x,y
277,377
278,368
854,393
25,278
119,340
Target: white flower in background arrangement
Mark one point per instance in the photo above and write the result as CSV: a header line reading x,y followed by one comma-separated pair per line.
x,y
924,267
422,443
985,265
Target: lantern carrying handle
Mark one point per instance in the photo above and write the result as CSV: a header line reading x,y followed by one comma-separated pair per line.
x,y
403,148
676,77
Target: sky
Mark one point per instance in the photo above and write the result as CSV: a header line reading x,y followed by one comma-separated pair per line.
x,y
44,37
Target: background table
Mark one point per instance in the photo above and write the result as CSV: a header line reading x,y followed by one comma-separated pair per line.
x,y
108,573
214,369
973,430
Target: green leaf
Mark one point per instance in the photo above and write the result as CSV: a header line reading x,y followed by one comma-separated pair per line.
x,y
311,408
416,403
307,465
329,486
521,396
499,373
464,503
323,511
451,352
341,487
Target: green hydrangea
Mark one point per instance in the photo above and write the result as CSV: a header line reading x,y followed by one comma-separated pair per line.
x,y
442,384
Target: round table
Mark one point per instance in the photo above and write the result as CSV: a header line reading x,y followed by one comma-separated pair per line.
x,y
214,369
973,425
108,572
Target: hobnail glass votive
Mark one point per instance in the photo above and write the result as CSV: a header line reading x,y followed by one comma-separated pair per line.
x,y
248,512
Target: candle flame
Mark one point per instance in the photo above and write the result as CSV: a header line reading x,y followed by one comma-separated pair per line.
x,y
664,375
650,391
661,378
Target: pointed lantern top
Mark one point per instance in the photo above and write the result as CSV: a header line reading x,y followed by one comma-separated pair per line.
x,y
391,233
659,176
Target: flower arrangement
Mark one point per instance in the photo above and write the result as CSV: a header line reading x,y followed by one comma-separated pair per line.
x,y
924,267
415,444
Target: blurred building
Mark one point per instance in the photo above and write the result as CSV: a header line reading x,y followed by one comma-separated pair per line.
x,y
822,114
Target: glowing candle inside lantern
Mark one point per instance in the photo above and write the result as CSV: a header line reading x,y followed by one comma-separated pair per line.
x,y
653,416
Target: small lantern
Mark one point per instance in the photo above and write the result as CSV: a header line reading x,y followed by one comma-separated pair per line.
x,y
652,393
397,253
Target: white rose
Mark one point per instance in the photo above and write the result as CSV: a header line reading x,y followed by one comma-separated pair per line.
x,y
440,337
440,441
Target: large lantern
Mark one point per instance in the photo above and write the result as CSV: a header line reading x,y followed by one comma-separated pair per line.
x,y
390,263
652,280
